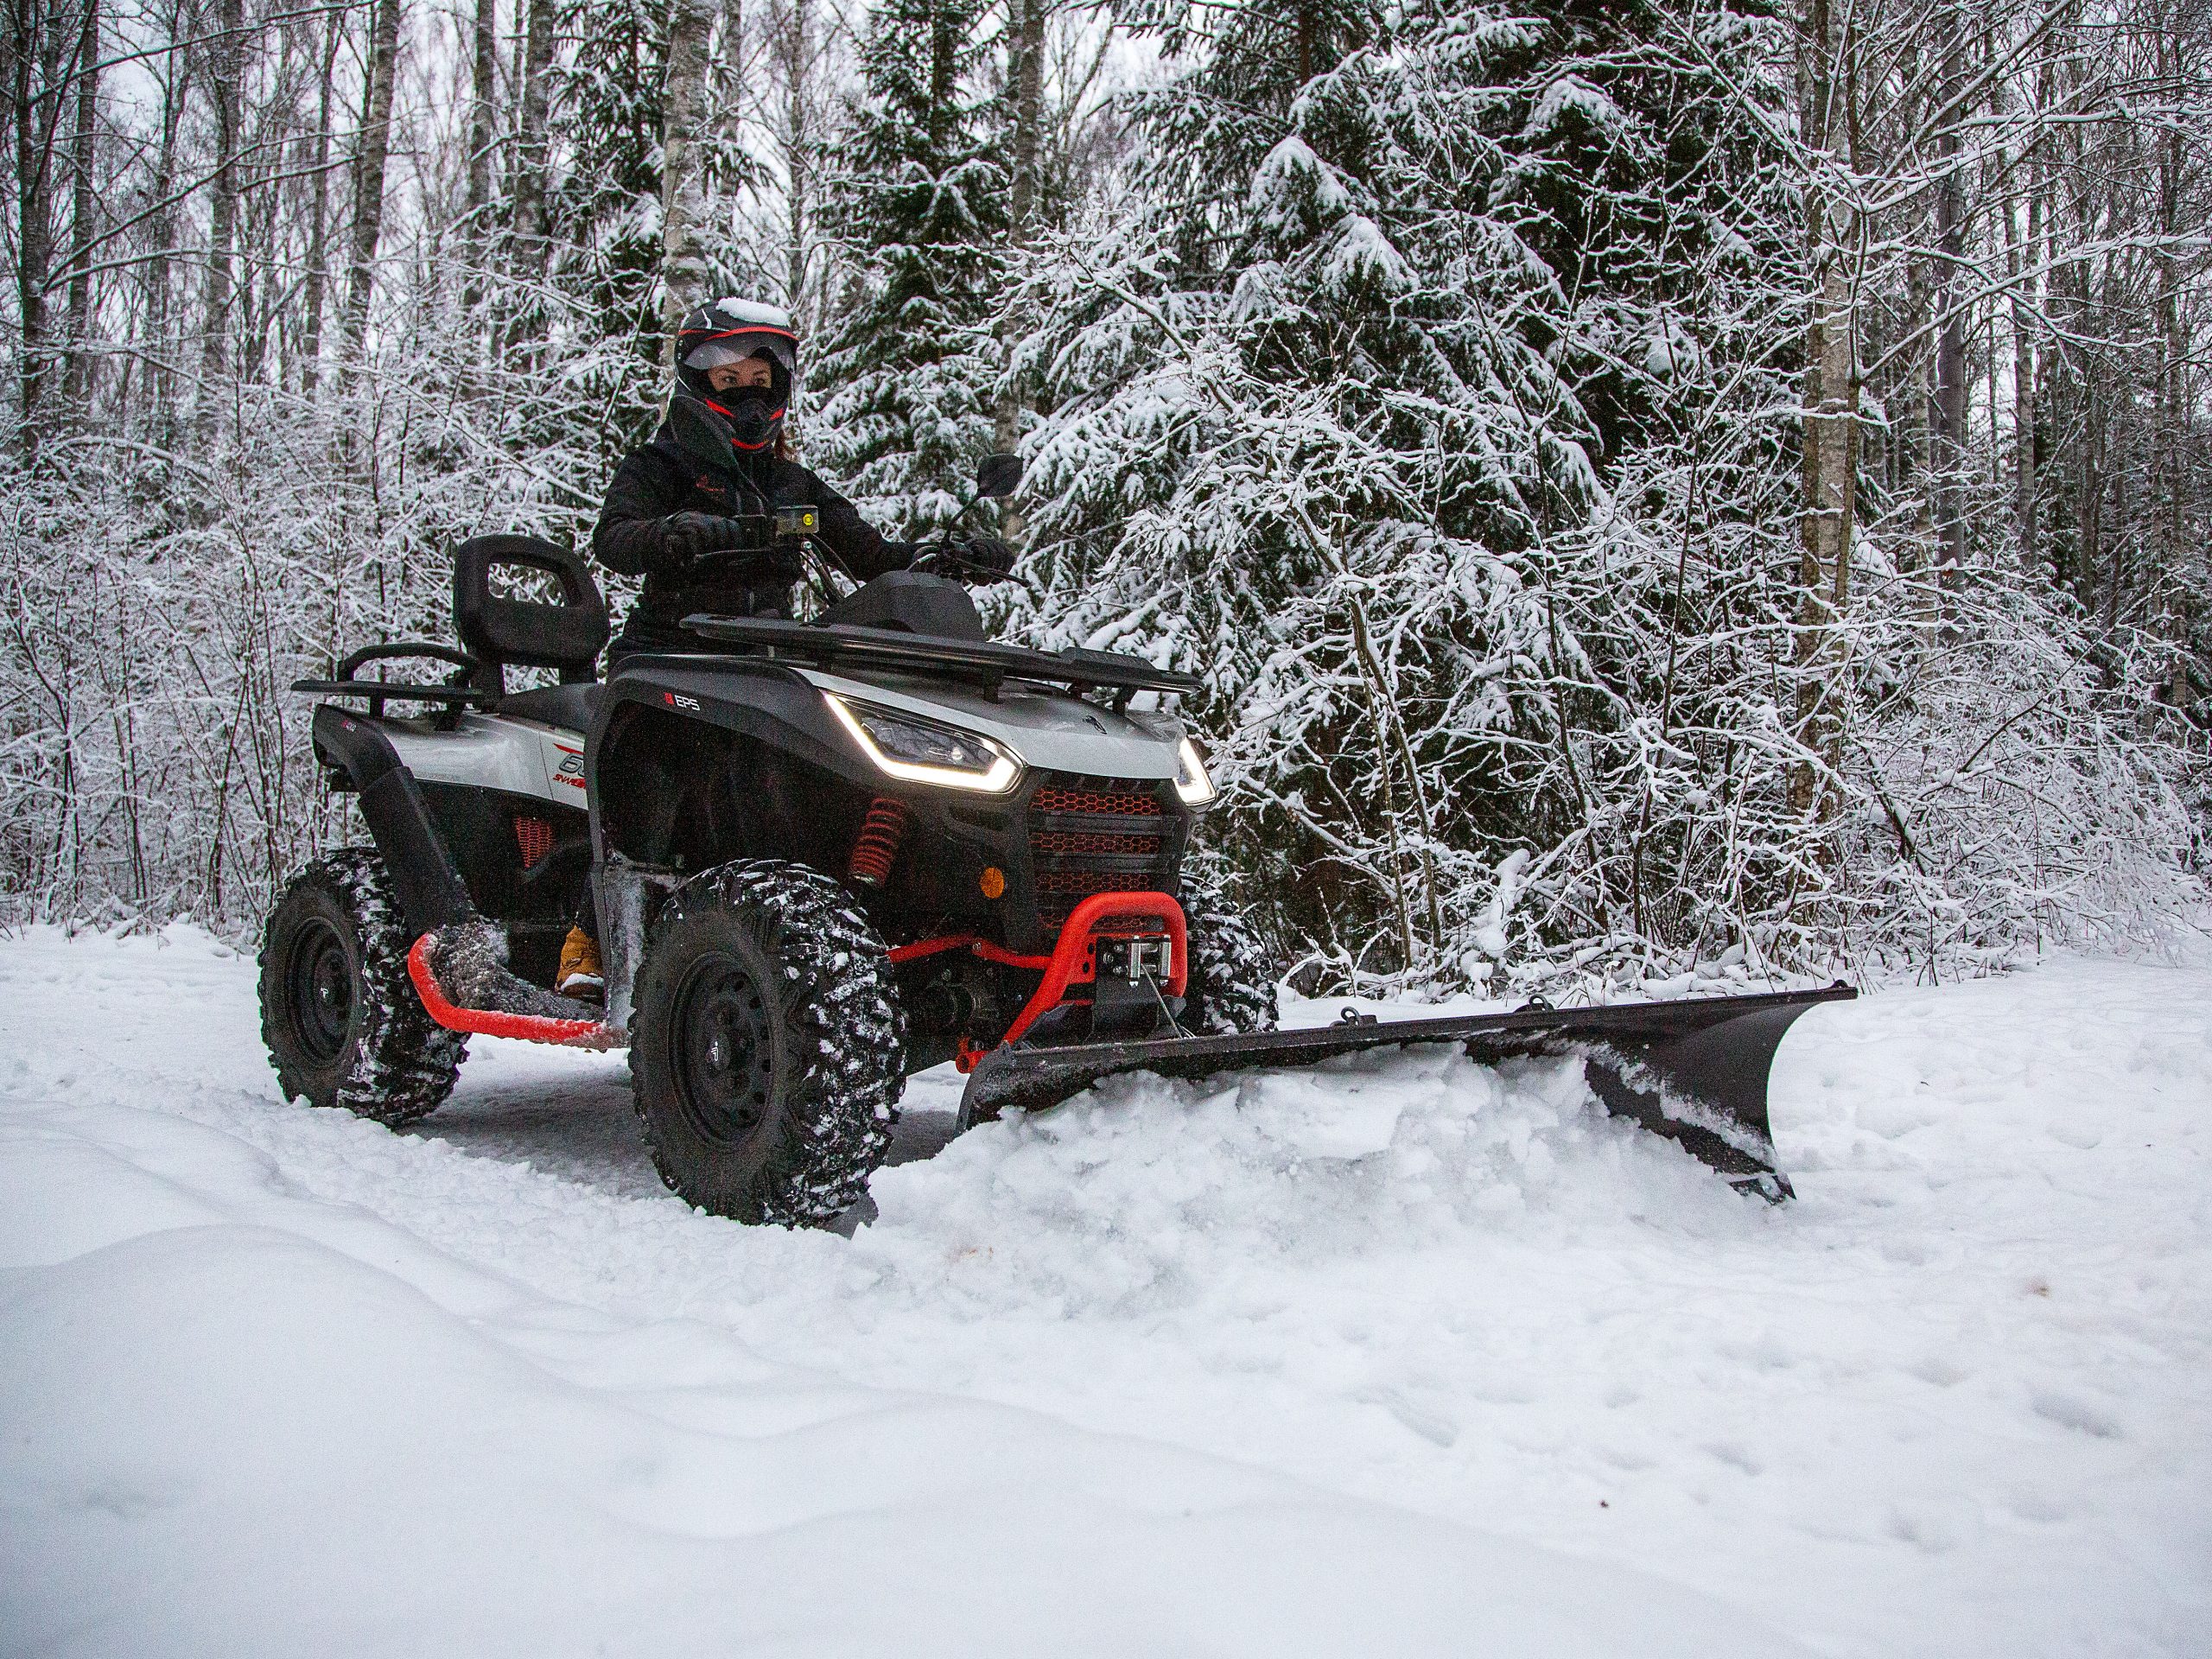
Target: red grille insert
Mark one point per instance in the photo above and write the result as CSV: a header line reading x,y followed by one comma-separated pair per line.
x,y
1078,824
1082,883
1125,803
1084,840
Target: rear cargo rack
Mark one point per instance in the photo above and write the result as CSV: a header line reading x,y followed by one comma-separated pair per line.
x,y
973,659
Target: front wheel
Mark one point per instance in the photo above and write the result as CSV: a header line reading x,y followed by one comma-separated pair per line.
x,y
767,1048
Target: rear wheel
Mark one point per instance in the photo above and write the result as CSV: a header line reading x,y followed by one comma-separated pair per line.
x,y
767,1048
341,1017
1231,988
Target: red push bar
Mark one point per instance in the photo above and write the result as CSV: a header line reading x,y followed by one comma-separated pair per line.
x,y
1075,959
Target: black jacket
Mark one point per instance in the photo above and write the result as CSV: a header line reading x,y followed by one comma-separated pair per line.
x,y
658,480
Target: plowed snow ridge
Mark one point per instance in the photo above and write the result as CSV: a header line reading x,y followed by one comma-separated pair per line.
x,y
1402,1355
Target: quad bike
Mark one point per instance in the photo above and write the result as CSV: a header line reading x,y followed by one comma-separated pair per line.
x,y
824,855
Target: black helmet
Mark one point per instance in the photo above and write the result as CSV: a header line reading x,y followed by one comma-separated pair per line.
x,y
728,331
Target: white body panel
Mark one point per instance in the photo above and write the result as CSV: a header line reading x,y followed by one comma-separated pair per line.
x,y
1049,730
518,757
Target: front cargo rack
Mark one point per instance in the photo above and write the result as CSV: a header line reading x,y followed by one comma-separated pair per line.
x,y
973,659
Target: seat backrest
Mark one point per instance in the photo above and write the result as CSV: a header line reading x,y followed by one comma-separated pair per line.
x,y
497,631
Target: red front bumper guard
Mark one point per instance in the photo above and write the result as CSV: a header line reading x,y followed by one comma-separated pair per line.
x,y
1101,919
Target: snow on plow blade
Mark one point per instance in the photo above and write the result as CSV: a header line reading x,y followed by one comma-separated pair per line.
x,y
1694,1070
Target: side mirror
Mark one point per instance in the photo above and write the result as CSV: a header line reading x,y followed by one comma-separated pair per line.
x,y
700,434
997,475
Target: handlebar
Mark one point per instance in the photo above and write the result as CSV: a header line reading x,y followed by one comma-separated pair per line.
x,y
767,530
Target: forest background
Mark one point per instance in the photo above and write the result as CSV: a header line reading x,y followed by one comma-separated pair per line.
x,y
1680,491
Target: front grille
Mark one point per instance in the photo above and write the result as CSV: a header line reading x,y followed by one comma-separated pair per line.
x,y
1095,834
1095,795
1062,841
1059,890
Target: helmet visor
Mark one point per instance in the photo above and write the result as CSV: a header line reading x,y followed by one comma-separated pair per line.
x,y
735,345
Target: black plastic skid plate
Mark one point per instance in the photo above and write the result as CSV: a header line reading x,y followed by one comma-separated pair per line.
x,y
1694,1071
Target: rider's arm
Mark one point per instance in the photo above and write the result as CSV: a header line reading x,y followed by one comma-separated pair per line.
x,y
632,537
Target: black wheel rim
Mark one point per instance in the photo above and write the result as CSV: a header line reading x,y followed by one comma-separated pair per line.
x,y
725,1061
321,983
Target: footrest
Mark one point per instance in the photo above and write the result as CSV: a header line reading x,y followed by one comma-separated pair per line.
x,y
583,1033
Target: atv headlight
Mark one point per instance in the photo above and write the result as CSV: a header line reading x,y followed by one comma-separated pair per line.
x,y
1191,780
917,751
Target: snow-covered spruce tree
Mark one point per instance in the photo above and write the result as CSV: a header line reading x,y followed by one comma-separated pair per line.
x,y
1330,419
609,102
921,202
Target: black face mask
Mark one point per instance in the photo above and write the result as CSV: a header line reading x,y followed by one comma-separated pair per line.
x,y
752,414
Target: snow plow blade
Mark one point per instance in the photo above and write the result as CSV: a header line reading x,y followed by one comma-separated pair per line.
x,y
1694,1070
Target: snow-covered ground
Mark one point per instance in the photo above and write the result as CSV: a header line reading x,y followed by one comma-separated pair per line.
x,y
1402,1357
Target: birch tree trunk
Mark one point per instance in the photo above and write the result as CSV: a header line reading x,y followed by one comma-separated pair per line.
x,y
1949,457
1831,421
1028,81
161,229
798,153
683,100
1029,78
2087,398
2018,256
368,174
2173,408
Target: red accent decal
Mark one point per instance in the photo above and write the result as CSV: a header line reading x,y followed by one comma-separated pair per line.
x,y
531,1028
749,328
535,838
669,698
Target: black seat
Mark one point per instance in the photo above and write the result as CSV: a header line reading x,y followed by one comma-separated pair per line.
x,y
571,705
496,630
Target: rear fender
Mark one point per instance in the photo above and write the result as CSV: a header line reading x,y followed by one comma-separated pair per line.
x,y
423,879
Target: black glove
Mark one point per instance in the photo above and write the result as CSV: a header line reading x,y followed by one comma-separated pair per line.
x,y
783,560
976,557
686,537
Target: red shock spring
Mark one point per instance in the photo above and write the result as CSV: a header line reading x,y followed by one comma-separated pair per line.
x,y
878,846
